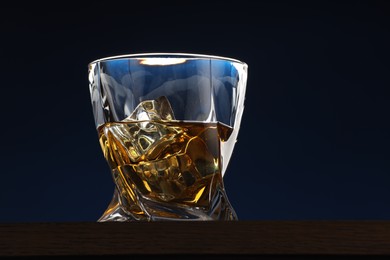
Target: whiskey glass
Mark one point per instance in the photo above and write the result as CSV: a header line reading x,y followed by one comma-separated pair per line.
x,y
167,124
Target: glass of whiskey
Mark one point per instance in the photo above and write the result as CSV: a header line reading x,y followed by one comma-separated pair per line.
x,y
167,124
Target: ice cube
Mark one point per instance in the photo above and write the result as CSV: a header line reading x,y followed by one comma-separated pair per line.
x,y
146,133
157,109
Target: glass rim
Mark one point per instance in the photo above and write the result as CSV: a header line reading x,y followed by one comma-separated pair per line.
x,y
167,55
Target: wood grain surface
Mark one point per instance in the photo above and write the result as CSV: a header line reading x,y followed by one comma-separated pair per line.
x,y
250,239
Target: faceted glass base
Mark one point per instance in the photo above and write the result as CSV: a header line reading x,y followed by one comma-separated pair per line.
x,y
220,209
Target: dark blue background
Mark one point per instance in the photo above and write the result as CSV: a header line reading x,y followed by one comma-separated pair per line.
x,y
314,141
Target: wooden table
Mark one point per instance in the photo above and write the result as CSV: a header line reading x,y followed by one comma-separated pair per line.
x,y
200,240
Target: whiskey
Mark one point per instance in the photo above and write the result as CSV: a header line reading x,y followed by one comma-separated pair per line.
x,y
172,162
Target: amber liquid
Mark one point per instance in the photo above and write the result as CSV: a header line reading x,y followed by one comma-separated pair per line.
x,y
172,161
